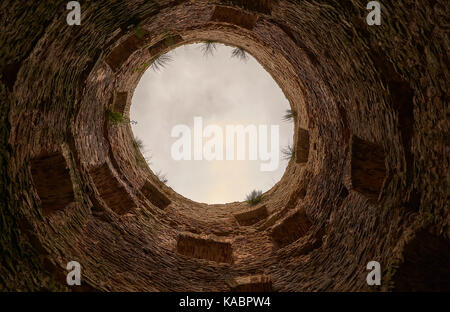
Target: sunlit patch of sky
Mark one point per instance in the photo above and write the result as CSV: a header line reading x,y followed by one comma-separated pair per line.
x,y
222,90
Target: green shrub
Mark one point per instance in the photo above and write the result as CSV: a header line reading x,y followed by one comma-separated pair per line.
x,y
139,32
169,40
141,159
289,115
116,118
208,47
239,53
161,177
254,197
138,143
143,67
288,152
160,62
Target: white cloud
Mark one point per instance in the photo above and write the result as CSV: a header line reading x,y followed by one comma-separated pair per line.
x,y
222,90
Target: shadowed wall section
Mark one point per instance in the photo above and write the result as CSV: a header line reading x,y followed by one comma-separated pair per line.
x,y
302,150
214,249
253,283
111,190
425,266
366,169
251,216
369,180
291,228
51,178
154,195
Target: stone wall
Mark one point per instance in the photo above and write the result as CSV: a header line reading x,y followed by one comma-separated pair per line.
x,y
371,179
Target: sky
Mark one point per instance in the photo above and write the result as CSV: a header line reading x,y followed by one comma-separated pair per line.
x,y
222,90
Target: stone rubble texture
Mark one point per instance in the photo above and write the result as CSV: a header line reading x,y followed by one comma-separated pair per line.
x,y
386,86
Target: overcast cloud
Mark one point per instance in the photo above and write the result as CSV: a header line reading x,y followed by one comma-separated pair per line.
x,y
222,90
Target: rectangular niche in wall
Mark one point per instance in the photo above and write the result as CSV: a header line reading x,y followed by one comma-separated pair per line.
x,y
261,6
252,216
302,146
155,196
426,265
120,102
122,52
291,228
251,283
111,190
205,247
366,169
51,178
234,17
163,45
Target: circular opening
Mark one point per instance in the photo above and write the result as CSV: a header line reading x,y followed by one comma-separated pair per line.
x,y
211,123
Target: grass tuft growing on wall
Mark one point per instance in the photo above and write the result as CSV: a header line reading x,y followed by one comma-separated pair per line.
x,y
289,115
254,197
240,54
160,62
208,47
288,152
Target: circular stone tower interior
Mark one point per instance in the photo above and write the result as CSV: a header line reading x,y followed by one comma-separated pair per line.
x,y
369,180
